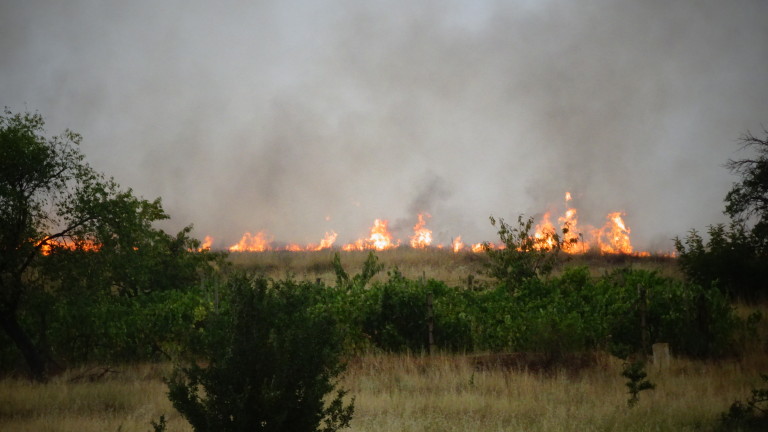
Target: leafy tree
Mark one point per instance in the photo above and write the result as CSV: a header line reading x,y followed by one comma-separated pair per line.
x,y
747,201
735,257
67,230
273,362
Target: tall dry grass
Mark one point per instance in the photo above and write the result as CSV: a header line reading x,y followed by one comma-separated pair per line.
x,y
442,264
418,393
396,393
124,399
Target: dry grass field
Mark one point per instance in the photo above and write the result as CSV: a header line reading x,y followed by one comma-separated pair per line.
x,y
441,264
395,393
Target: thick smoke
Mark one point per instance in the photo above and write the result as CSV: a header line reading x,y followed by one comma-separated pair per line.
x,y
302,117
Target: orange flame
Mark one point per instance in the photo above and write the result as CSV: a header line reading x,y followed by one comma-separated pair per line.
x,y
573,241
252,243
422,237
613,237
206,244
544,236
47,246
456,244
325,243
478,247
380,238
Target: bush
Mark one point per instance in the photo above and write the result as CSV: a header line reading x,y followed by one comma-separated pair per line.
x,y
523,256
751,415
730,260
695,321
272,357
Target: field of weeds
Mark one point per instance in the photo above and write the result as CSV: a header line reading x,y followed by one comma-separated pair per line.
x,y
455,269
416,393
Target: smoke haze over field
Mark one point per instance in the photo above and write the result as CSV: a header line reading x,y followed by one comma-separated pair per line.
x,y
301,117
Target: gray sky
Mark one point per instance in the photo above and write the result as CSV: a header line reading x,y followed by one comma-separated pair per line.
x,y
248,116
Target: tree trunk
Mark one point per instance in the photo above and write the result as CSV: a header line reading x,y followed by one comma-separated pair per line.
x,y
33,357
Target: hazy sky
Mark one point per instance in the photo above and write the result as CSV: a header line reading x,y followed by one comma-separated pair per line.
x,y
300,117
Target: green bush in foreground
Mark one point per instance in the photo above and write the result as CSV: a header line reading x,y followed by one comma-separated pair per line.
x,y
272,358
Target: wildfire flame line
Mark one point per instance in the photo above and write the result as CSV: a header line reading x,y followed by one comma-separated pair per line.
x,y
612,238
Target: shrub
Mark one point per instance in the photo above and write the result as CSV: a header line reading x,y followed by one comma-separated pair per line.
x,y
730,259
751,415
523,255
273,360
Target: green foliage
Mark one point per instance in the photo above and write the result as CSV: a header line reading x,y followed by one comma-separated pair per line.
x,y
751,415
160,425
523,256
696,321
371,267
736,258
568,313
635,373
728,259
270,365
747,201
69,235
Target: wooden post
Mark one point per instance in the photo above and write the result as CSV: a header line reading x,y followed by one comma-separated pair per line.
x,y
661,357
470,282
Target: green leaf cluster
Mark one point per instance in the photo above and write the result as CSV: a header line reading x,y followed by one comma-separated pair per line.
x,y
270,364
735,258
75,248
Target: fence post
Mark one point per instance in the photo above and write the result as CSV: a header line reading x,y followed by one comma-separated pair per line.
x,y
661,357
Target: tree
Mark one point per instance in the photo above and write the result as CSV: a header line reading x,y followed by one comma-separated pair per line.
x,y
747,201
271,362
66,228
735,257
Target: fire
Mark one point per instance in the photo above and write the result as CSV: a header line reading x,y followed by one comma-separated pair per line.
x,y
479,247
573,241
380,238
47,246
252,243
422,237
325,243
544,237
206,244
457,245
612,238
